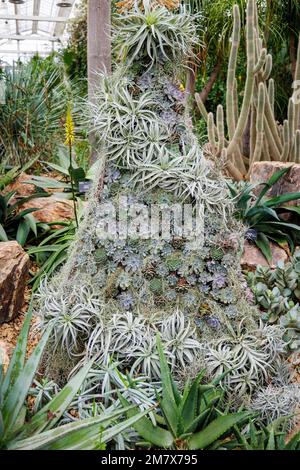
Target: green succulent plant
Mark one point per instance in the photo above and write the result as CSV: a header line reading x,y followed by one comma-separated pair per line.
x,y
191,419
265,217
277,292
271,437
15,223
18,431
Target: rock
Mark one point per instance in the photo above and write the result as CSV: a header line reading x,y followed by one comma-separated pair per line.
x,y
51,209
5,351
262,171
252,256
20,187
14,268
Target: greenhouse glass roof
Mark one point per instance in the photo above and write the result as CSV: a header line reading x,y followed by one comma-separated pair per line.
x,y
31,26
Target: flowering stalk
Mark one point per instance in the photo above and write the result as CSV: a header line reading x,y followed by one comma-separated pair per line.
x,y
70,138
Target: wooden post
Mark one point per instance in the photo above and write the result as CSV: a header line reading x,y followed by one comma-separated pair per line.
x,y
98,47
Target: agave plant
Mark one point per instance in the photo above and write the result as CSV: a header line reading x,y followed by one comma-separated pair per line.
x,y
17,432
266,218
191,420
154,34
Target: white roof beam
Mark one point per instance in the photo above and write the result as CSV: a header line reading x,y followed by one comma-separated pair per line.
x,y
60,28
47,19
19,37
36,12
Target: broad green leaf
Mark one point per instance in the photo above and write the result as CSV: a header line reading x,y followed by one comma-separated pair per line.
x,y
278,200
58,405
17,394
271,181
3,236
264,245
155,434
22,232
82,434
214,430
17,361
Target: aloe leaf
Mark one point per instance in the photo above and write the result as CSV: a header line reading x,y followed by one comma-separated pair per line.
x,y
278,200
84,434
17,394
155,434
58,405
271,181
17,361
3,236
22,232
263,244
214,430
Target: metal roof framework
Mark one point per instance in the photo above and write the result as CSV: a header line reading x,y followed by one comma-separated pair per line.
x,y
28,27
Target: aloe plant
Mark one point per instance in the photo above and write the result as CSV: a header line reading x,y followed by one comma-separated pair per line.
x,y
42,431
191,419
272,437
16,224
265,217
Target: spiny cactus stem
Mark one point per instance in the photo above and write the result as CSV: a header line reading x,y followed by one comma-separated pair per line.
x,y
211,131
220,127
286,142
274,152
271,93
261,61
256,156
242,122
297,147
272,124
235,42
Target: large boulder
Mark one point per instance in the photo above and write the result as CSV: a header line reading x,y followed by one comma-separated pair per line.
x,y
253,257
262,171
14,269
51,209
20,186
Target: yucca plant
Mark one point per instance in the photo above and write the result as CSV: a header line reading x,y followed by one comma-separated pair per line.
x,y
266,217
34,103
16,224
18,431
190,420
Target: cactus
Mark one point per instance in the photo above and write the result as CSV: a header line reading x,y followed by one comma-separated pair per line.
x,y
269,140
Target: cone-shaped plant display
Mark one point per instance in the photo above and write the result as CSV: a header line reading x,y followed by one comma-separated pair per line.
x,y
157,253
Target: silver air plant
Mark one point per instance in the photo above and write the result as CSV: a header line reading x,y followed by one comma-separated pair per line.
x,y
154,35
248,355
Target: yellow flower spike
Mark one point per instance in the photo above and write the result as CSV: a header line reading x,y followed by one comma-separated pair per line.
x,y
69,127
181,87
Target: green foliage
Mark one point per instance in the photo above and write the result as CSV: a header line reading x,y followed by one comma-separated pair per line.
x,y
191,419
53,251
266,217
15,223
30,118
277,292
271,437
40,431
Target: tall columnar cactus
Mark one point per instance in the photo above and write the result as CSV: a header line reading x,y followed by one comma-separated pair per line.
x,y
269,140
